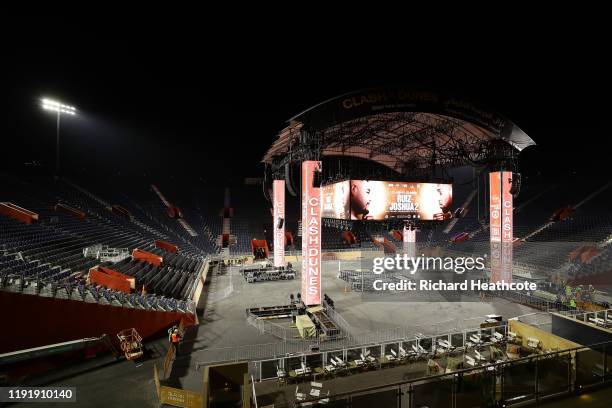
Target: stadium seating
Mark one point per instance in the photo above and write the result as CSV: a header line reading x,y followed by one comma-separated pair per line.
x,y
47,258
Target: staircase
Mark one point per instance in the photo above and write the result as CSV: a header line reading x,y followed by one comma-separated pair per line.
x,y
160,195
187,227
537,231
87,193
465,204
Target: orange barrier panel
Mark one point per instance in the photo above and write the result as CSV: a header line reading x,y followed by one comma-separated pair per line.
x,y
166,246
562,213
397,235
584,253
18,213
576,253
66,209
377,243
589,254
115,280
461,237
225,240
147,257
389,246
119,210
349,238
289,238
260,243
174,212
120,275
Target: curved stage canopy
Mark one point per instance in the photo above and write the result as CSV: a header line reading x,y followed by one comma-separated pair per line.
x,y
398,128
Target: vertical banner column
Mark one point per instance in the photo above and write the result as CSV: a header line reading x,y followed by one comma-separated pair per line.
x,y
507,226
409,241
278,193
501,225
311,235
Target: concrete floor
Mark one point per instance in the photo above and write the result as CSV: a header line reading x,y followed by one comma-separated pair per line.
x,y
224,321
106,382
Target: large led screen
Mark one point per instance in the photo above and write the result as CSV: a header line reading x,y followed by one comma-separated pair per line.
x,y
381,200
335,198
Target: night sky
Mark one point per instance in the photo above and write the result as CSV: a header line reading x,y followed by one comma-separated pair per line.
x,y
155,101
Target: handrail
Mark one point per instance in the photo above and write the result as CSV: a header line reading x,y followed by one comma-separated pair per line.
x,y
456,373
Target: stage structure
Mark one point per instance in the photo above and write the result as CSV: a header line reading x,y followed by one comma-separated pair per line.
x,y
409,132
500,225
278,194
311,233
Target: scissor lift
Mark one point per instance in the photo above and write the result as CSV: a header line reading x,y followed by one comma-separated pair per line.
x,y
131,343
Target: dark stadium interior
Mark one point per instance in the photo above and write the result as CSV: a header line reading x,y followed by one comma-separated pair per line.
x,y
162,216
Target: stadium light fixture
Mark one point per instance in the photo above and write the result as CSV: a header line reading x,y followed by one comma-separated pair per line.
x,y
59,108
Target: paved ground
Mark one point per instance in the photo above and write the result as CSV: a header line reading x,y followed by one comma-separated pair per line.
x,y
224,322
106,382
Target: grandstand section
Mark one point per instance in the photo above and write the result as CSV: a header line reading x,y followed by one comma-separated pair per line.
x,y
49,265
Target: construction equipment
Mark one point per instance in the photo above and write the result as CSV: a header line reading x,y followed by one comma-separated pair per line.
x,y
131,343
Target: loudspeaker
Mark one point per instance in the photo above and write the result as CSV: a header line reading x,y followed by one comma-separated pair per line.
x,y
289,180
267,184
280,223
317,179
516,184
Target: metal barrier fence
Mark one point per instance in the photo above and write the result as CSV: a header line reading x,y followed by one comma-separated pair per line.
x,y
541,320
369,250
532,301
526,380
426,345
253,352
271,350
266,326
602,318
337,318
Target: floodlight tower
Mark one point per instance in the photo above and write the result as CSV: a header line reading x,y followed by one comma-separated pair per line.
x,y
59,108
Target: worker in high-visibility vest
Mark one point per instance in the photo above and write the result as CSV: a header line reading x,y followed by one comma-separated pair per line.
x,y
175,338
573,303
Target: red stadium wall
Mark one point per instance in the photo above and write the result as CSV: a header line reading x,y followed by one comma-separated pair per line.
x,y
166,246
147,257
18,213
36,321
